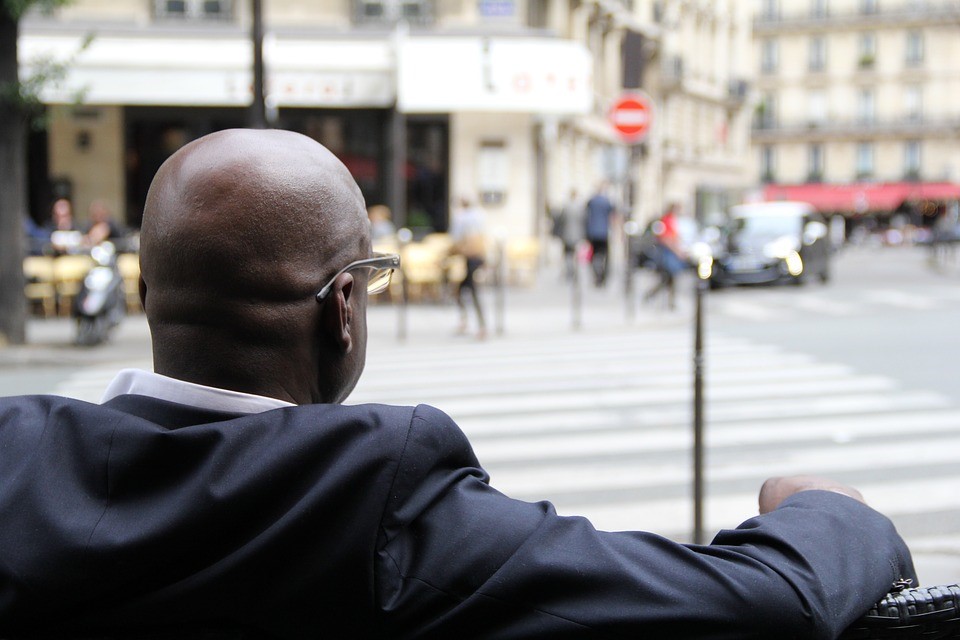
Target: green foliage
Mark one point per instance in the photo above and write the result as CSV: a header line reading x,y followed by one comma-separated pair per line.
x,y
16,8
24,96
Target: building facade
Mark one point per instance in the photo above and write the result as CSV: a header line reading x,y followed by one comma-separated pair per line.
x,y
859,103
425,101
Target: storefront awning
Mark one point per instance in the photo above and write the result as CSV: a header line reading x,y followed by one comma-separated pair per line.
x,y
444,74
421,74
863,197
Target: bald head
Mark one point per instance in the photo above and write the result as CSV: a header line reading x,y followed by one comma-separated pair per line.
x,y
240,230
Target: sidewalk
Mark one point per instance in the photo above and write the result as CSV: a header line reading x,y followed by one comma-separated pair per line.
x,y
513,314
50,343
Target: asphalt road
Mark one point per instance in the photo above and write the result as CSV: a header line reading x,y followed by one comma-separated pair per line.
x,y
885,311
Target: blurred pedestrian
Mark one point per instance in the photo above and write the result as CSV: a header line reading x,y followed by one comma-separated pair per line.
x,y
468,232
570,230
381,226
37,237
101,226
599,216
65,236
669,258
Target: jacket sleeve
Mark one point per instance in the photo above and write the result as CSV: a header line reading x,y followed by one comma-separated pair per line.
x,y
459,559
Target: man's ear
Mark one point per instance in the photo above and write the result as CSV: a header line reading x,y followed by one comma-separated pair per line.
x,y
143,293
338,313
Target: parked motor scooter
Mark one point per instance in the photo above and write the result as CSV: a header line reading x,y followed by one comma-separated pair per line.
x,y
100,304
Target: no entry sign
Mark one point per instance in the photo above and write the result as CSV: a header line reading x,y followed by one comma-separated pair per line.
x,y
631,116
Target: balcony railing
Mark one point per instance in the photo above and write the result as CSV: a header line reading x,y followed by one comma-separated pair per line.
x,y
388,12
914,13
765,128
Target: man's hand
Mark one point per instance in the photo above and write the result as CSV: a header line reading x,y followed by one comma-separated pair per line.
x,y
776,490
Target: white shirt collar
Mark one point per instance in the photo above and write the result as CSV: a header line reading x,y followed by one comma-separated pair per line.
x,y
154,385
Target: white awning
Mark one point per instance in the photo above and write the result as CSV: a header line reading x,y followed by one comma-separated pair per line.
x,y
523,75
191,71
421,74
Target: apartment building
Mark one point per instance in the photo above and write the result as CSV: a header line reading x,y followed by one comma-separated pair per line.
x,y
425,101
859,104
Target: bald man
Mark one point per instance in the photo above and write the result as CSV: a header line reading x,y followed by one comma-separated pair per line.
x,y
230,494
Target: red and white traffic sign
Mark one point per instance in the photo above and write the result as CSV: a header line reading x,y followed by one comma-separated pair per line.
x,y
631,116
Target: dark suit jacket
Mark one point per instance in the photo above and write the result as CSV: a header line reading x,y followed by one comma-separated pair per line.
x,y
142,517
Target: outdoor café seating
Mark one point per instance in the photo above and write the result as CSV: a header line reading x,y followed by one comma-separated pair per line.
x,y
51,283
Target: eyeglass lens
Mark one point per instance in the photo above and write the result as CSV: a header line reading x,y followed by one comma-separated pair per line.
x,y
379,280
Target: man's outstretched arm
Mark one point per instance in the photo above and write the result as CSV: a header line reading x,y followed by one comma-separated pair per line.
x,y
460,559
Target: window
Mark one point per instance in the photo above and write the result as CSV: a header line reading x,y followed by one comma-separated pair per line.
x,y
911,159
770,9
867,50
496,9
537,14
193,9
767,112
914,56
818,53
869,6
767,163
866,106
816,107
819,9
864,160
417,12
815,163
913,103
769,55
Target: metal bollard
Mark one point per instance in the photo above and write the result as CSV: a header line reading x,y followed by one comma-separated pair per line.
x,y
404,236
700,287
630,229
500,298
576,292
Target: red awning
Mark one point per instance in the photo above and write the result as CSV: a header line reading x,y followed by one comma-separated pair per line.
x,y
862,197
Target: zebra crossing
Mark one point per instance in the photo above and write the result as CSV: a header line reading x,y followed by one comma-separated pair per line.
x,y
600,425
599,422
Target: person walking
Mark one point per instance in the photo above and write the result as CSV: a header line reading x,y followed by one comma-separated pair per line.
x,y
670,257
468,233
599,217
570,230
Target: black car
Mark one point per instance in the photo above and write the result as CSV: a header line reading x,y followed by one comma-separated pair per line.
x,y
771,242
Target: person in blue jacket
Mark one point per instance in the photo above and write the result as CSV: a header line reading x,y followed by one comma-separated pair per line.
x,y
599,218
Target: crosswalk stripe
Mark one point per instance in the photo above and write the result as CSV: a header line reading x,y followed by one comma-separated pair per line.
x,y
746,310
659,470
904,407
615,398
900,299
822,304
569,447
778,305
527,381
673,516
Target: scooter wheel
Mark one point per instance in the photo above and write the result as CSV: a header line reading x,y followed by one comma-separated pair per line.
x,y
91,331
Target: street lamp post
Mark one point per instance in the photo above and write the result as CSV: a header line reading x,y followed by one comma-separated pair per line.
x,y
258,109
